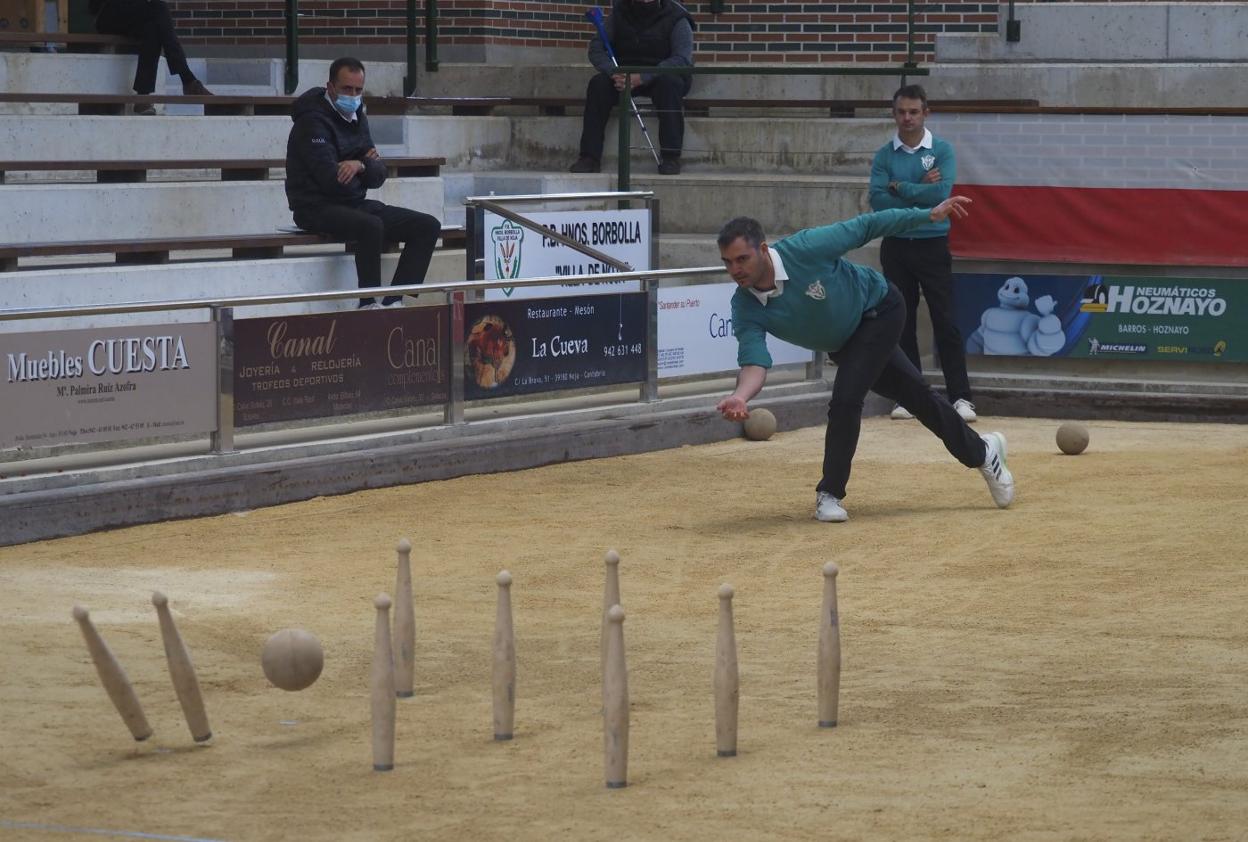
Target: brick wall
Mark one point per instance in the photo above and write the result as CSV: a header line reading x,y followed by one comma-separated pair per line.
x,y
836,32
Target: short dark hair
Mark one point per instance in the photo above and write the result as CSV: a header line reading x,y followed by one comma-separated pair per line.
x,y
346,61
911,92
742,226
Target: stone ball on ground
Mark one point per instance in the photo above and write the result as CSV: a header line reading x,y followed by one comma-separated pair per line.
x,y
760,425
1072,438
292,659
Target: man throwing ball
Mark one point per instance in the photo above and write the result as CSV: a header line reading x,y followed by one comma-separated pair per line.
x,y
801,290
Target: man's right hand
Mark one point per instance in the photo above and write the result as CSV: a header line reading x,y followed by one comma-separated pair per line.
x,y
954,206
622,79
733,408
348,170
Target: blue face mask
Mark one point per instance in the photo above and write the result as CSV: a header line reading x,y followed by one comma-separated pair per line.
x,y
348,104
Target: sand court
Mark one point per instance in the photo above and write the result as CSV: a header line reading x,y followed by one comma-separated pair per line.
x,y
1073,667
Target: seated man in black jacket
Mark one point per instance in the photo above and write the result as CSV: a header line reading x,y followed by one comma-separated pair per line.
x,y
331,164
649,33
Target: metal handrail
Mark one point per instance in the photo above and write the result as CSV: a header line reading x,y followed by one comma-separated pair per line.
x,y
333,295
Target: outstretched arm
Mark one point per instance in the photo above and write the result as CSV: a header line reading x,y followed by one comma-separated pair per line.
x,y
750,382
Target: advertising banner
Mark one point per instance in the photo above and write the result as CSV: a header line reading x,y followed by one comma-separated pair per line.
x,y
108,384
523,347
512,251
1103,316
695,332
320,365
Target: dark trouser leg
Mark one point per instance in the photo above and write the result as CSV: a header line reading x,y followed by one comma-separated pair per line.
x,y
354,226
152,24
600,97
871,361
932,265
668,95
893,260
419,234
175,56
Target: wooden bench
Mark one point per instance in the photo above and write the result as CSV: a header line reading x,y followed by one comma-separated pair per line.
x,y
696,106
228,105
118,172
75,42
157,250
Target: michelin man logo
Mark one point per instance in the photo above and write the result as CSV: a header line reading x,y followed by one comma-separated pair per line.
x,y
1010,330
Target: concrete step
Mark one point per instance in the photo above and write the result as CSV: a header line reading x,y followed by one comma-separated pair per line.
x,y
68,212
464,142
199,279
751,144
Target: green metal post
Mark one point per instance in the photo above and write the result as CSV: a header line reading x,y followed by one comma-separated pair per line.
x,y
626,123
910,62
292,46
431,36
409,81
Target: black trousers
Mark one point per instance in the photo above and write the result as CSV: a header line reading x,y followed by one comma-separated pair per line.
x,y
925,265
871,361
667,92
370,225
151,23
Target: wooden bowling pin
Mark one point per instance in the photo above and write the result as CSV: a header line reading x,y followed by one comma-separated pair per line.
x,y
382,685
727,684
615,703
113,677
182,671
829,650
610,596
404,624
504,662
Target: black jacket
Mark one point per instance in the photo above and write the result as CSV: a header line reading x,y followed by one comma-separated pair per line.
x,y
319,140
645,39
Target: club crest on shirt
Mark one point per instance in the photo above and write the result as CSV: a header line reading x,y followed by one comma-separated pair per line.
x,y
927,161
816,291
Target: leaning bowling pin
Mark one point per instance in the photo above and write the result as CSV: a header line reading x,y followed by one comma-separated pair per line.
x,y
829,650
615,703
182,671
113,677
404,624
610,596
383,699
727,684
504,662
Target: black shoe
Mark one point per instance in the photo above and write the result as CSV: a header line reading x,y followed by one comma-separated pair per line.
x,y
670,166
195,88
586,164
144,110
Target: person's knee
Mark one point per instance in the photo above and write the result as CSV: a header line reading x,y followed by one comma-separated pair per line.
x,y
600,86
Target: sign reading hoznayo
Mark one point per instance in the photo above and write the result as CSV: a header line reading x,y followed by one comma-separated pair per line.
x,y
513,251
320,365
695,332
107,384
1103,316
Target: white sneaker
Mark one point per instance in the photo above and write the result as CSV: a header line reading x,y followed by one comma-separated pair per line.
x,y
996,474
966,409
373,306
900,413
828,509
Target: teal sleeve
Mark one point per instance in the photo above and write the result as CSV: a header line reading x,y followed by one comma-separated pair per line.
x,y
931,195
878,193
751,337
832,241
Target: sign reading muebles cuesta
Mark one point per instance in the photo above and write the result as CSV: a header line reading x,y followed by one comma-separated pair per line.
x,y
107,384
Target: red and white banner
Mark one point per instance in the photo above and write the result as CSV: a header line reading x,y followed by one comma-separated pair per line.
x,y
1161,190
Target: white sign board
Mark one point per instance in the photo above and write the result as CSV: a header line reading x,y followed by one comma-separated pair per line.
x,y
107,384
695,332
513,251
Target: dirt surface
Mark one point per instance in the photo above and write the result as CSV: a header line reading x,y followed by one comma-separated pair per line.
x,y
1075,667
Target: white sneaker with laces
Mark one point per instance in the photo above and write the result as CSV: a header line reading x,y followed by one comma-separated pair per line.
x,y
996,474
828,508
900,413
373,306
966,409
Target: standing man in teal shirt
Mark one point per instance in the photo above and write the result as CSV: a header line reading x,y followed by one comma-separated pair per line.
x,y
916,170
801,290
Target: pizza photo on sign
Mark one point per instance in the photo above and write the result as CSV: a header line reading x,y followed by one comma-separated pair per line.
x,y
491,352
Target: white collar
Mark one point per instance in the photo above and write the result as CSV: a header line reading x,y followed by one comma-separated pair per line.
x,y
925,143
777,263
352,119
